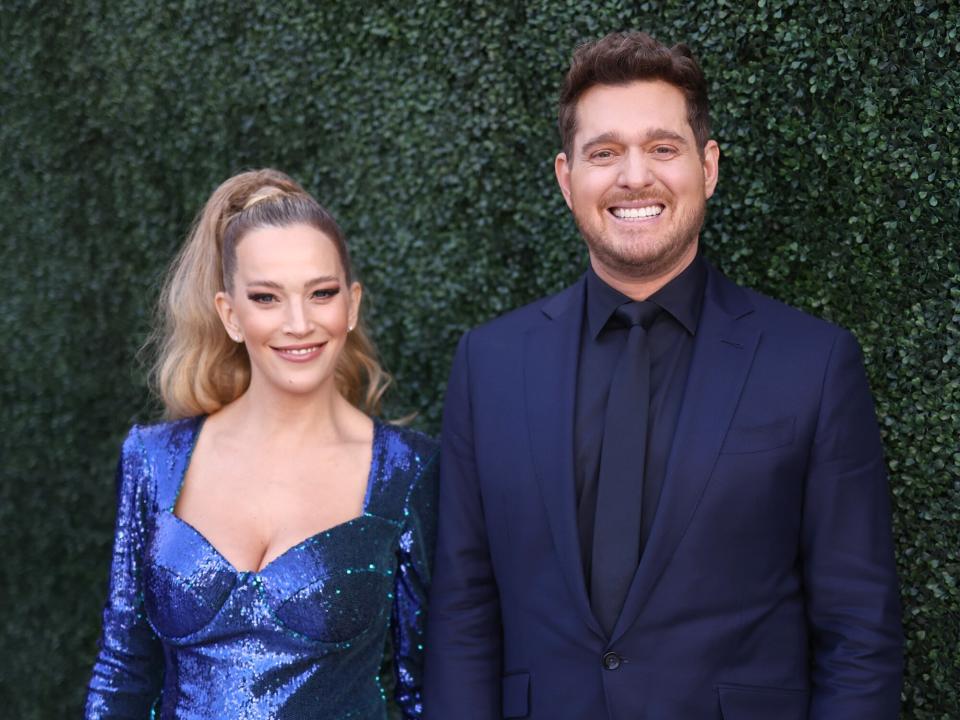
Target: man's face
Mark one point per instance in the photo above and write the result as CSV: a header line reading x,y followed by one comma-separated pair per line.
x,y
635,181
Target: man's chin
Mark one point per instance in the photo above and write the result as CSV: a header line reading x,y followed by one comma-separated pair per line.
x,y
640,262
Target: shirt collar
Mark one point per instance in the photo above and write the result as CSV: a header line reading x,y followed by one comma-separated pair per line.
x,y
682,297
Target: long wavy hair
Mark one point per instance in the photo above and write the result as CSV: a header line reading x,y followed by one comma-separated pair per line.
x,y
198,369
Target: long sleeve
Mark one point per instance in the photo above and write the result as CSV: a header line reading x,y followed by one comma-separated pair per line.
x,y
412,584
129,669
849,573
464,641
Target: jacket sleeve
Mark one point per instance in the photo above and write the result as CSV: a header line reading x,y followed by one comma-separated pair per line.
x,y
129,669
417,540
849,572
464,637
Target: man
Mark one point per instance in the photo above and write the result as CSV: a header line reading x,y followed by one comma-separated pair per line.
x,y
662,495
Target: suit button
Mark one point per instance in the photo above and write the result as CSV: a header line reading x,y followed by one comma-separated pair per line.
x,y
611,661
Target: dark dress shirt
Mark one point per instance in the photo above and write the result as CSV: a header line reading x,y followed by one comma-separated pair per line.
x,y
601,341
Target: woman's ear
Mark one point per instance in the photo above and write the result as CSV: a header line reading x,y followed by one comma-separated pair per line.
x,y
224,305
356,295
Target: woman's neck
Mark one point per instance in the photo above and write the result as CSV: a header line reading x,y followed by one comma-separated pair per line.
x,y
293,420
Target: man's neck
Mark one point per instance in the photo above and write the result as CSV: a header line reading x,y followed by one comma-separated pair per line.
x,y
642,287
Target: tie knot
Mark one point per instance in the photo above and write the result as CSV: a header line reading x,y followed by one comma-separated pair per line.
x,y
638,312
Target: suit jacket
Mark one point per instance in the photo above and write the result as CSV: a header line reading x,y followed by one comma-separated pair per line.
x,y
767,588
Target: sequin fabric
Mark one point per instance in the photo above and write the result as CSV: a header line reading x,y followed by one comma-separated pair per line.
x,y
311,635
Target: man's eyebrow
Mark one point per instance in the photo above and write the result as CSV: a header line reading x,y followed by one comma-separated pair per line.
x,y
664,134
649,136
602,139
277,286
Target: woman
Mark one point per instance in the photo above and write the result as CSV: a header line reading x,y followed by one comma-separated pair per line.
x,y
273,542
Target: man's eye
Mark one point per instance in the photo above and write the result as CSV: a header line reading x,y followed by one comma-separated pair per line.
x,y
262,298
602,155
664,150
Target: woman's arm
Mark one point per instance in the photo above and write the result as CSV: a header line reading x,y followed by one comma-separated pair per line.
x,y
412,583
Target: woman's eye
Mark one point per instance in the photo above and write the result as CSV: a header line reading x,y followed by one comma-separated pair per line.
x,y
325,293
262,298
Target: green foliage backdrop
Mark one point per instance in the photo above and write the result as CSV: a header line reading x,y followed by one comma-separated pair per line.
x,y
427,128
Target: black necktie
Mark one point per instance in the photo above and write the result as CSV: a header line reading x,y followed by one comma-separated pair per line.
x,y
616,531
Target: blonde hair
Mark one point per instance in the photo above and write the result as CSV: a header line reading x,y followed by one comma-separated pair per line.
x,y
198,368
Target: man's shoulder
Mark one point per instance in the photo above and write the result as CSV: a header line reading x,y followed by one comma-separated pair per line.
x,y
771,314
520,320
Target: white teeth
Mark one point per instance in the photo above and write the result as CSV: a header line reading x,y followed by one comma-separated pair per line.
x,y
641,212
300,351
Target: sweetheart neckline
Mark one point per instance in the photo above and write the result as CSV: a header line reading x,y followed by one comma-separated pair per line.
x,y
371,473
275,560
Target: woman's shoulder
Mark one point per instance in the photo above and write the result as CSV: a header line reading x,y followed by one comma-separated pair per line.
x,y
404,443
152,458
160,444
405,464
165,437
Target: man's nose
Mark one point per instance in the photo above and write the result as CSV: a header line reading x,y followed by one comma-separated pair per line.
x,y
635,170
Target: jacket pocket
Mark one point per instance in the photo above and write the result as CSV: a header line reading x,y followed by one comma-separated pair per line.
x,y
757,438
748,702
516,695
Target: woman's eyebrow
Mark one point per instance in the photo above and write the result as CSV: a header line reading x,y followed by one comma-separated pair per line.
x,y
277,286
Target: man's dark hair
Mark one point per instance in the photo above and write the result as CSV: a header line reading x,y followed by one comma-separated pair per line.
x,y
622,58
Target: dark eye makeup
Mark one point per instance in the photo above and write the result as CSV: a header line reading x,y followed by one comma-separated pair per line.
x,y
262,298
325,293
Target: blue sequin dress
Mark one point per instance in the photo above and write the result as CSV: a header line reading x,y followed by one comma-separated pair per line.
x,y
187,636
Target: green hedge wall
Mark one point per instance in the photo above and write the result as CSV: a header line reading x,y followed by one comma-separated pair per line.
x,y
427,127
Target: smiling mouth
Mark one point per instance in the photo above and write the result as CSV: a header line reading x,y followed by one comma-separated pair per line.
x,y
636,213
301,353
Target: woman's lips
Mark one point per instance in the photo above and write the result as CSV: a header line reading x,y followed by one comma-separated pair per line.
x,y
299,353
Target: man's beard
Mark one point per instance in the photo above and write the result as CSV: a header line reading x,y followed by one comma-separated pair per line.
x,y
637,257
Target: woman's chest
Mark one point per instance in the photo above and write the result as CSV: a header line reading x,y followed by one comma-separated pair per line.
x,y
327,590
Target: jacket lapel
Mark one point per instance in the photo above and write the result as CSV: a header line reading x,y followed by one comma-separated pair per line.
x,y
550,379
722,355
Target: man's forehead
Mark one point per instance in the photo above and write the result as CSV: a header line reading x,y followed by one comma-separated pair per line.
x,y
646,95
636,112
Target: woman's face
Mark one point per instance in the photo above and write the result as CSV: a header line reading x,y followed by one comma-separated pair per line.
x,y
291,306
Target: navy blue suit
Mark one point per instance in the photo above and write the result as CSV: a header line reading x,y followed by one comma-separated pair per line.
x,y
767,588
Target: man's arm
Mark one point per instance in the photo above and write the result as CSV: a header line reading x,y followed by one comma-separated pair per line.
x,y
849,573
463,660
